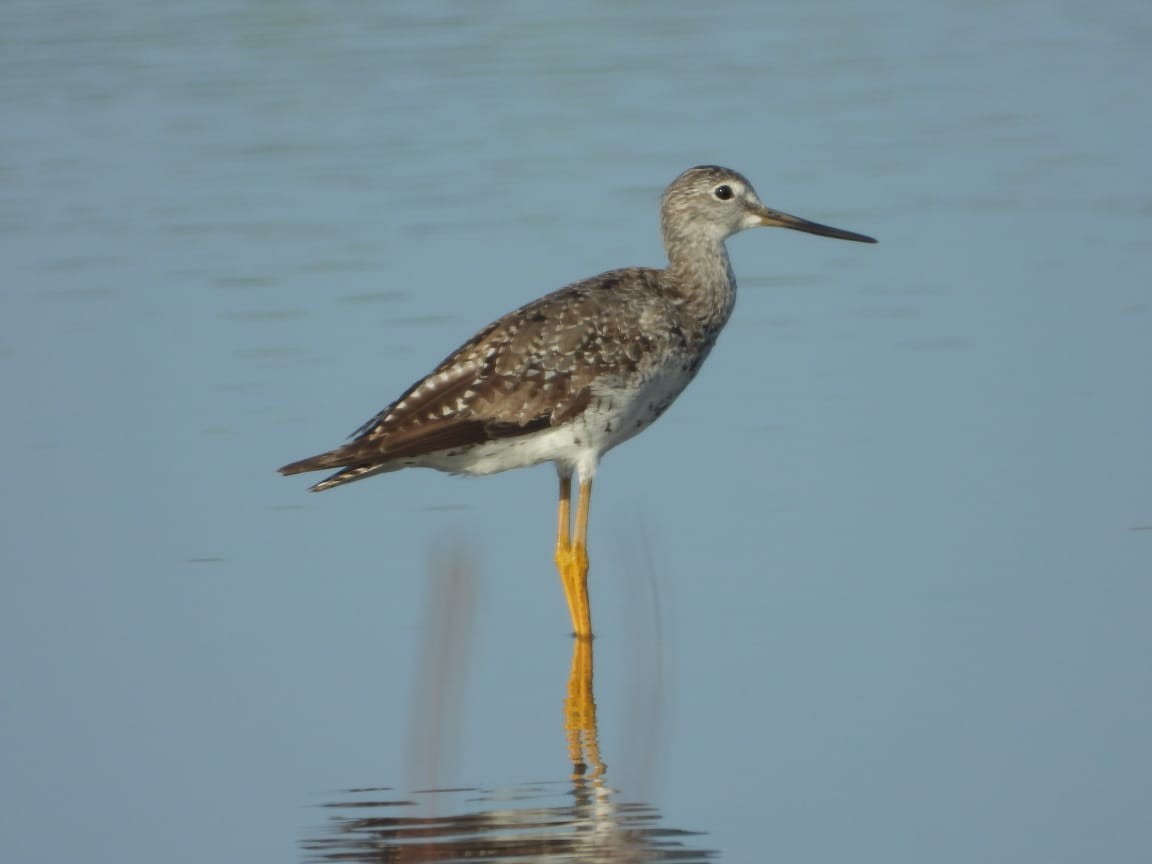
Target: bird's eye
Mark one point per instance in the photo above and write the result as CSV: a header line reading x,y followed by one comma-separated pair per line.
x,y
723,192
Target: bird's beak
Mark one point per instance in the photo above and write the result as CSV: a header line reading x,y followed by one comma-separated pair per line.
x,y
776,219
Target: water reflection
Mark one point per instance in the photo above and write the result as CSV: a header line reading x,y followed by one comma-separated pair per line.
x,y
529,822
577,819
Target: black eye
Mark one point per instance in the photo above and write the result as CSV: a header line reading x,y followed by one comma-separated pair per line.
x,y
723,192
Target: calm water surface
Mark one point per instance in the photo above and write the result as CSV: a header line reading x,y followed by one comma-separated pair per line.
x,y
876,588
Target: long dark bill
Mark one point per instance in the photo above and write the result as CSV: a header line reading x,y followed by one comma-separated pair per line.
x,y
784,220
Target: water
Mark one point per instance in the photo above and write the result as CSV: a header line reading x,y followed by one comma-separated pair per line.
x,y
877,586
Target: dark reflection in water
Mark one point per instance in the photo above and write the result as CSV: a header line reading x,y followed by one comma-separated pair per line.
x,y
577,819
546,822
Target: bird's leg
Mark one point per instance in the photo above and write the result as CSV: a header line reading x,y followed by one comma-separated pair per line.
x,y
564,543
572,554
580,561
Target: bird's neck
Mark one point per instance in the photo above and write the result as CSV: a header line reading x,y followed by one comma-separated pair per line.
x,y
700,268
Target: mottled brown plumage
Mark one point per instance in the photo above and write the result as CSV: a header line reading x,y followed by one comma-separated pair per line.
x,y
535,368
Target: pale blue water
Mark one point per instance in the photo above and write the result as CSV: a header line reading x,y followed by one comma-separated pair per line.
x,y
878,586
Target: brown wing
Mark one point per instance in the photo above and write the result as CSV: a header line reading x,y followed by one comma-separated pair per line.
x,y
533,368
510,379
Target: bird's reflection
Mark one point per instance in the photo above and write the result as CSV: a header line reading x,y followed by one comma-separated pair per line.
x,y
577,819
580,716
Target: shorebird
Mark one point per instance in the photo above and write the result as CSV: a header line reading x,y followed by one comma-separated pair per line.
x,y
569,376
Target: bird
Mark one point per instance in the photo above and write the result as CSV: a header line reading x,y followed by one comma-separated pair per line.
x,y
574,373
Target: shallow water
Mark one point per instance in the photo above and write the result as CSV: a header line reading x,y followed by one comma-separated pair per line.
x,y
541,823
877,586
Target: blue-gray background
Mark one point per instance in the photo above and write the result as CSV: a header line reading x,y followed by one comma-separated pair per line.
x,y
878,587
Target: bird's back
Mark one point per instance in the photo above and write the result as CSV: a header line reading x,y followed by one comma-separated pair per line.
x,y
606,355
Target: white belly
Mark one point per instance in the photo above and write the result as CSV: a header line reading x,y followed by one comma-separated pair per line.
x,y
612,417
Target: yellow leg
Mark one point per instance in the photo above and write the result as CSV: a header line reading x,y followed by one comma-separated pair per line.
x,y
580,553
572,555
564,517
564,544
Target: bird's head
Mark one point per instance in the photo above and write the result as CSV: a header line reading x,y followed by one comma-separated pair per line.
x,y
714,203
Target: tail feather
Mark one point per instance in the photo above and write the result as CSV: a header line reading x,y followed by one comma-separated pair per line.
x,y
352,465
351,474
332,459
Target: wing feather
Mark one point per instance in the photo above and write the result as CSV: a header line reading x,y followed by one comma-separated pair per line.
x,y
536,367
